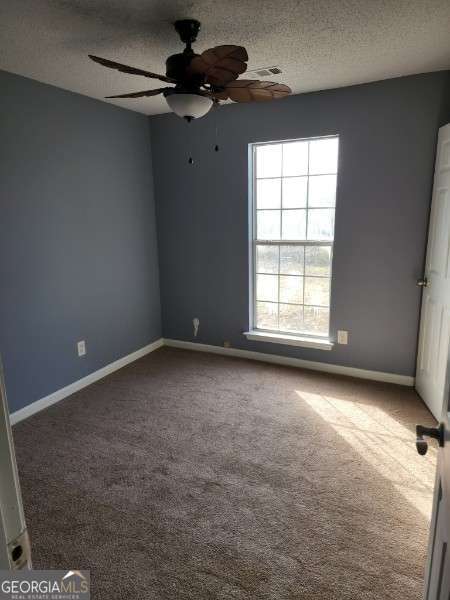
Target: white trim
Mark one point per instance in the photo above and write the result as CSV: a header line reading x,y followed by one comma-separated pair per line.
x,y
38,405
289,340
295,362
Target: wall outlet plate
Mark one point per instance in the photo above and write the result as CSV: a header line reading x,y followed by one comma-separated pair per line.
x,y
342,337
81,346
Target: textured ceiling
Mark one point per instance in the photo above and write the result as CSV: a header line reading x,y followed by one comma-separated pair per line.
x,y
319,44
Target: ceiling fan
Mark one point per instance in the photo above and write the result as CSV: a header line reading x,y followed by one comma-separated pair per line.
x,y
200,80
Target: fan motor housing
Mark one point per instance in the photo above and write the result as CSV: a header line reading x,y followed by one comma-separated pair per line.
x,y
177,64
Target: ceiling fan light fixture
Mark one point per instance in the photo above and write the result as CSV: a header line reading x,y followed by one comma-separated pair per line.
x,y
201,80
188,105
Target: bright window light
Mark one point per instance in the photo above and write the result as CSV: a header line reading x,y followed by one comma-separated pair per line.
x,y
294,199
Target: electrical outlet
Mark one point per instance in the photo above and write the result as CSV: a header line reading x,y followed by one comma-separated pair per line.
x,y
81,346
342,337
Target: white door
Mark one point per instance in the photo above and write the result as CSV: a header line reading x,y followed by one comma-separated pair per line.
x,y
435,317
14,544
437,580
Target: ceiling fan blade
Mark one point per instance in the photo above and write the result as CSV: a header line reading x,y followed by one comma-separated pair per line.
x,y
141,94
221,64
130,70
253,90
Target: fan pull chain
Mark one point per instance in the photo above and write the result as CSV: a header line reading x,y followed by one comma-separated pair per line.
x,y
216,147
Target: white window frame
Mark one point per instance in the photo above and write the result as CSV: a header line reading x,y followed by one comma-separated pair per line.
x,y
307,340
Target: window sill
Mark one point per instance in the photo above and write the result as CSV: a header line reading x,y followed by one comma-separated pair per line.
x,y
289,340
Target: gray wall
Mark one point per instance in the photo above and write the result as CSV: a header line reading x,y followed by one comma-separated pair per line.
x,y
387,144
78,254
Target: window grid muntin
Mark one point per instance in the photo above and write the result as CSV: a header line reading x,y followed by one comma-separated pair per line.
x,y
287,242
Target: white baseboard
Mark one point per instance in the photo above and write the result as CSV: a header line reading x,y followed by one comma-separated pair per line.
x,y
39,405
294,362
43,403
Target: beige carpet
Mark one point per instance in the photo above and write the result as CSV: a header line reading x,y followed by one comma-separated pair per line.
x,y
194,476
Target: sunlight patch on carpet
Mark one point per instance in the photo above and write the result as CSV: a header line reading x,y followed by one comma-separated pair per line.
x,y
384,443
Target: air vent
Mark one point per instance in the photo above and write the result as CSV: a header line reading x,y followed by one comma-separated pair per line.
x,y
266,71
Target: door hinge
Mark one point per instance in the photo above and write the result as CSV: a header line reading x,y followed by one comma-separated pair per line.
x,y
422,282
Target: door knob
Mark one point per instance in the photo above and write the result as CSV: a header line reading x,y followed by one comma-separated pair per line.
x,y
433,432
422,282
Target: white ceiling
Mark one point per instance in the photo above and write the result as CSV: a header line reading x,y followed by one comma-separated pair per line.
x,y
319,44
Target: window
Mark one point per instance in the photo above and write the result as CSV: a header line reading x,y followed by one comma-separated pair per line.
x,y
294,197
